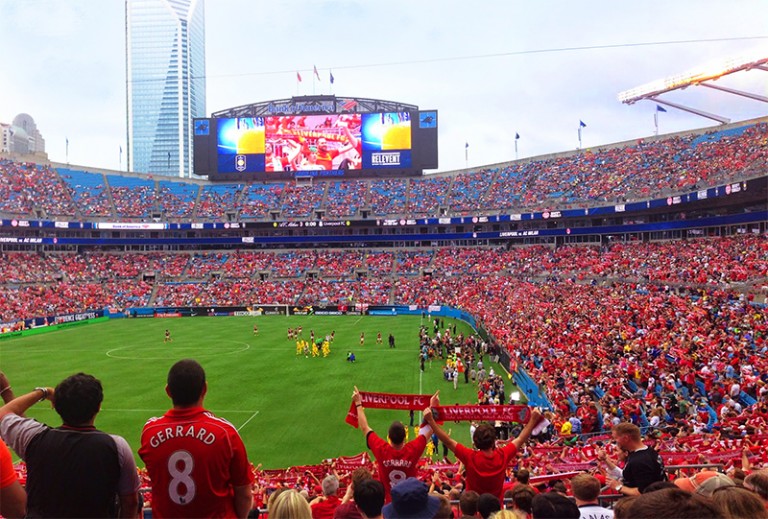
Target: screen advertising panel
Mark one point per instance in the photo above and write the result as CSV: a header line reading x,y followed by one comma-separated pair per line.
x,y
240,144
386,140
313,143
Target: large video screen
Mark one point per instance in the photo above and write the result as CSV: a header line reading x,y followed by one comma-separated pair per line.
x,y
319,145
313,143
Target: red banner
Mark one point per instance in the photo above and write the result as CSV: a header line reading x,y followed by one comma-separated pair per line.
x,y
570,467
454,413
488,413
388,401
535,480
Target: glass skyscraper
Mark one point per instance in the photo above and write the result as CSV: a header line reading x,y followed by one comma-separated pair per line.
x,y
165,83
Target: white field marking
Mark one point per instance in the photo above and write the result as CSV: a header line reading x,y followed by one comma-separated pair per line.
x,y
358,320
248,420
32,350
205,352
162,411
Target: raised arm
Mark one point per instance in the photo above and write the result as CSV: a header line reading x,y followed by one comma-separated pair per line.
x,y
362,421
441,434
536,417
20,404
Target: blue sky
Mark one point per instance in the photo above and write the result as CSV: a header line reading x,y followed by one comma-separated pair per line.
x,y
64,64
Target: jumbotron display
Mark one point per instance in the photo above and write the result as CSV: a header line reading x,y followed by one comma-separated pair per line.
x,y
263,147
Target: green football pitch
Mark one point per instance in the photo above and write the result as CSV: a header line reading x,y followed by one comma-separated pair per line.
x,y
289,409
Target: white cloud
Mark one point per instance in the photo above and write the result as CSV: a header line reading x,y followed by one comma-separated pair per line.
x,y
67,69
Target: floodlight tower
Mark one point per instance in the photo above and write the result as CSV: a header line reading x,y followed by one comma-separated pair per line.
x,y
703,76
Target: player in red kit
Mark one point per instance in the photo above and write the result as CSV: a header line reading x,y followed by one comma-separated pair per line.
x,y
398,461
196,461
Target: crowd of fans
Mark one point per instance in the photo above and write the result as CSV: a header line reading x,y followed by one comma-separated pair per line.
x,y
421,277
606,332
216,200
638,171
664,335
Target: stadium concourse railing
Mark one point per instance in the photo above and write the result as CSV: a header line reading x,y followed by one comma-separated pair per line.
x,y
534,394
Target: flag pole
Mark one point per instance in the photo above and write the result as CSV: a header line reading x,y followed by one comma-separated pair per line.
x,y
66,153
515,149
466,155
579,137
656,122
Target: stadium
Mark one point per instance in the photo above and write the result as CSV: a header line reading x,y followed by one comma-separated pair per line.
x,y
622,283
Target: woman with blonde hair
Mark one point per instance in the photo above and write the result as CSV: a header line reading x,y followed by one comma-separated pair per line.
x,y
289,505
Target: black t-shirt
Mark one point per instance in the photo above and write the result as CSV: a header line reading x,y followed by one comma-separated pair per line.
x,y
643,467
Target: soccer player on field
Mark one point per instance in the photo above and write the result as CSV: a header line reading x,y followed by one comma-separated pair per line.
x,y
378,338
167,336
362,338
196,461
397,460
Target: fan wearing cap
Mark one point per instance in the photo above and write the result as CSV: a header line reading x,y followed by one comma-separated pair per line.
x,y
643,466
397,461
704,483
486,465
411,499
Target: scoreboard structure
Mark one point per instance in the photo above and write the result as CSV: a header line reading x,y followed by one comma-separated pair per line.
x,y
316,136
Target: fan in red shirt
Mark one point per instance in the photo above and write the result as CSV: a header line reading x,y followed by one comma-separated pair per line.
x,y
196,461
486,465
397,461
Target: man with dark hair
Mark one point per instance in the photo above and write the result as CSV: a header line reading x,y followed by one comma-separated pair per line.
x,y
522,497
74,470
347,508
553,505
486,465
674,503
196,461
488,504
369,498
468,503
396,461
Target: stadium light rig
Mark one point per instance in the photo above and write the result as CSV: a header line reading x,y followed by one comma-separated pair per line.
x,y
699,77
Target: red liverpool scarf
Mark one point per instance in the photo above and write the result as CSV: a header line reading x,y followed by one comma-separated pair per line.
x,y
452,413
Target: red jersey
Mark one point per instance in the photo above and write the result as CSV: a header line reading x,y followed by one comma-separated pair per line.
x,y
485,474
194,460
395,465
325,509
8,473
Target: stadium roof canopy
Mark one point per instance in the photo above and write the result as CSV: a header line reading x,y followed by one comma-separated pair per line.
x,y
320,104
704,76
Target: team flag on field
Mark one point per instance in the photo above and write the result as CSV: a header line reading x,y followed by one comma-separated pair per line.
x,y
298,76
317,75
331,74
